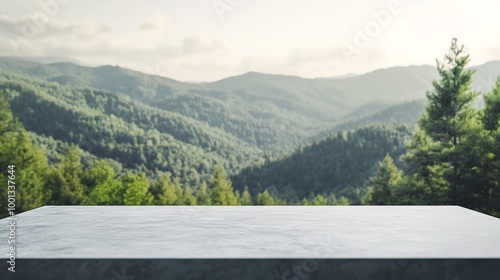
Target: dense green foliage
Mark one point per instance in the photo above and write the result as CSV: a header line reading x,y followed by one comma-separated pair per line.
x,y
109,126
22,166
383,186
375,113
222,191
243,114
69,183
339,164
270,112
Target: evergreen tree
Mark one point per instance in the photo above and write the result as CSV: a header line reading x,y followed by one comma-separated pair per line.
x,y
166,193
237,195
265,198
31,173
246,198
493,195
99,173
136,189
104,188
319,200
6,119
179,192
66,177
449,111
491,117
202,198
384,185
342,201
424,182
107,193
446,122
221,189
486,153
305,202
29,165
189,198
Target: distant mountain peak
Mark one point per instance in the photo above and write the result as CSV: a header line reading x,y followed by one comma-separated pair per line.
x,y
48,59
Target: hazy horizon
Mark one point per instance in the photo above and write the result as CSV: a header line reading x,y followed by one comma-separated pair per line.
x,y
51,60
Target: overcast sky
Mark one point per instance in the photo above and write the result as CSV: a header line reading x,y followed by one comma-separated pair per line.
x,y
205,40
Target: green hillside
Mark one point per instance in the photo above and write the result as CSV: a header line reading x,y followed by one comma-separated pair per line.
x,y
403,113
337,164
109,125
270,112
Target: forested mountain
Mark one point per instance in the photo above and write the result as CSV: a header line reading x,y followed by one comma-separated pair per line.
x,y
113,126
271,112
406,112
396,84
403,113
338,164
53,149
266,125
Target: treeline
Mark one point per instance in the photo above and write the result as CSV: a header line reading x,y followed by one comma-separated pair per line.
x,y
454,157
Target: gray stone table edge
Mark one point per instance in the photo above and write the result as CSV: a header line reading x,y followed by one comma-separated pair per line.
x,y
254,232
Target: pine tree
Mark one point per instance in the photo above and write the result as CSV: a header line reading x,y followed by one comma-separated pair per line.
x,y
492,193
494,190
189,198
166,193
104,188
319,200
6,118
179,192
305,202
383,186
246,198
221,189
449,111
424,182
99,172
29,172
202,198
67,175
484,175
491,117
136,190
342,201
237,195
32,172
265,198
448,119
107,193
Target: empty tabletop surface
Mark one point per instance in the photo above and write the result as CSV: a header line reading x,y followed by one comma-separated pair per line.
x,y
254,232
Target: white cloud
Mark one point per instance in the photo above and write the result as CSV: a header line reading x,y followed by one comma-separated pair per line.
x,y
199,43
157,24
43,26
